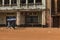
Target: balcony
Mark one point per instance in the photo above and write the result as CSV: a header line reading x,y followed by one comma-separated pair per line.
x,y
38,4
6,5
32,6
13,4
23,4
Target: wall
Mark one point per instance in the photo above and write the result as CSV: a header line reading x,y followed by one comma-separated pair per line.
x,y
3,17
48,12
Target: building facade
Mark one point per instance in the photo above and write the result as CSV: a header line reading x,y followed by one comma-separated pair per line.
x,y
55,13
24,12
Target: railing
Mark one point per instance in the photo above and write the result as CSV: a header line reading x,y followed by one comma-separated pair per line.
x,y
6,5
38,4
13,4
23,4
30,4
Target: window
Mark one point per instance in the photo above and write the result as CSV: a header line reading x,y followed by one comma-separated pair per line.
x,y
6,2
14,2
0,2
34,19
38,1
30,1
23,2
58,5
31,19
53,7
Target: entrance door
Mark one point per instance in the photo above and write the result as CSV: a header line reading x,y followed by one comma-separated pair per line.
x,y
10,19
56,21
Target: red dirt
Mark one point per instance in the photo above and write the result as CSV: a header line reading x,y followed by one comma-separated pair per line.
x,y
30,34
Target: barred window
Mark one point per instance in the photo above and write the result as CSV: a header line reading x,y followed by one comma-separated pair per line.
x,y
23,1
6,2
30,1
38,1
31,20
14,2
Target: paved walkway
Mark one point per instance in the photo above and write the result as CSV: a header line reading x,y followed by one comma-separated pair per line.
x,y
30,34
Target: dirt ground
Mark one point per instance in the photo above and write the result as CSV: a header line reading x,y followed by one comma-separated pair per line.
x,y
30,34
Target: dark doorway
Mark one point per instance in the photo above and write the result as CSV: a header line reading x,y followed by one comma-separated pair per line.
x,y
31,20
56,21
10,19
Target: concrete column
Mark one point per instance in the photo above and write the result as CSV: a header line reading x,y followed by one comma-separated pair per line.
x,y
18,18
26,3
43,18
44,3
9,2
34,3
3,2
18,3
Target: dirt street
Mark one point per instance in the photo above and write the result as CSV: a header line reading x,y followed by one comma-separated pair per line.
x,y
30,34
